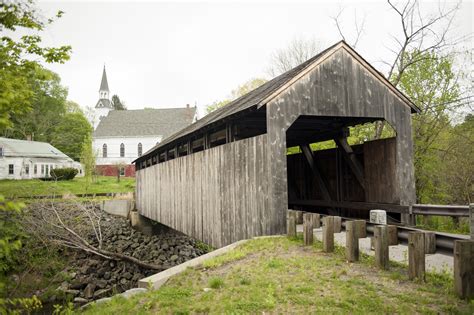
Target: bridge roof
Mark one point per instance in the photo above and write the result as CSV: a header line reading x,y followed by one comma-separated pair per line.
x,y
263,94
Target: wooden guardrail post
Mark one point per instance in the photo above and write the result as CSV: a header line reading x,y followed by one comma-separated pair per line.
x,y
328,234
416,255
464,268
352,242
316,220
337,224
361,227
430,242
381,246
308,228
392,231
291,223
471,219
299,217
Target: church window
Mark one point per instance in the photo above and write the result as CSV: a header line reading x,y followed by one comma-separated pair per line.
x,y
140,149
122,150
104,150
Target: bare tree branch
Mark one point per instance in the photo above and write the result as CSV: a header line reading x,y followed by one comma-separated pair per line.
x,y
52,224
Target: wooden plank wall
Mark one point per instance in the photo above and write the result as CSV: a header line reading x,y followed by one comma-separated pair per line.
x,y
341,86
218,196
380,171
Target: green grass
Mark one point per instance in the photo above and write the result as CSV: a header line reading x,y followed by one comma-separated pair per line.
x,y
35,187
279,275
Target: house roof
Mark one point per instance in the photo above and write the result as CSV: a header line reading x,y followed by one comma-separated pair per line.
x,y
105,103
104,85
261,95
25,148
145,122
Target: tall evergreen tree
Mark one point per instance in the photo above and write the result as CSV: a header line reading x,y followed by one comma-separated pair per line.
x,y
117,103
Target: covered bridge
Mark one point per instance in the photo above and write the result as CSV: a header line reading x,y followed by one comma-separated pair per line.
x,y
228,176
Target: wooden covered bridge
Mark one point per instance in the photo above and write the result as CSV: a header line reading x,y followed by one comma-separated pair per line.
x,y
228,176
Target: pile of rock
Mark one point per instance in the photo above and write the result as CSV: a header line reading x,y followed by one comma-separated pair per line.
x,y
93,277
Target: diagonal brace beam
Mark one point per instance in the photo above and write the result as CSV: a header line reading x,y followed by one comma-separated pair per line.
x,y
308,153
351,159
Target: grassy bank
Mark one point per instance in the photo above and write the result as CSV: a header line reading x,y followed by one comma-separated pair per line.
x,y
35,187
279,275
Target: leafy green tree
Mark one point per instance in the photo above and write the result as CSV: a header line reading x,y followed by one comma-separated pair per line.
x,y
20,59
117,103
11,234
73,107
457,157
88,158
70,133
241,90
433,86
47,107
217,104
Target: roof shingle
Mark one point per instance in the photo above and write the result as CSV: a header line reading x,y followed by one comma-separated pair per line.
x,y
145,122
25,148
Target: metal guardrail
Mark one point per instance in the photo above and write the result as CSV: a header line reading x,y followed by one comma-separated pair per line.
x,y
441,210
418,209
444,241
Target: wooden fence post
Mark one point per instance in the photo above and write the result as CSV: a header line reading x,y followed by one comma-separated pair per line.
x,y
464,268
392,235
416,255
299,217
308,228
337,224
381,246
316,220
328,234
361,227
471,216
430,242
352,242
291,223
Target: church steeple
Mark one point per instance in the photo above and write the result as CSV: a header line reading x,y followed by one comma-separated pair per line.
x,y
104,86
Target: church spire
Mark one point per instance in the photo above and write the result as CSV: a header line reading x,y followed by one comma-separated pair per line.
x,y
104,86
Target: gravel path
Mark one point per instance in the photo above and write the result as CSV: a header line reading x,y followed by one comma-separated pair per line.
x,y
399,253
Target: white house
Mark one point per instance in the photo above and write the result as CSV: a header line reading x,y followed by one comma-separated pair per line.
x,y
22,159
121,136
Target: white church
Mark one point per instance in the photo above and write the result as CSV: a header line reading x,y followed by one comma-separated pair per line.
x,y
121,136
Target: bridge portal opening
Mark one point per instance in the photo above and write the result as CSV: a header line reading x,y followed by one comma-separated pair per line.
x,y
331,171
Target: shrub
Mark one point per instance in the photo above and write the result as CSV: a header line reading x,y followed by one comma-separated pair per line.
x,y
67,173
11,234
216,282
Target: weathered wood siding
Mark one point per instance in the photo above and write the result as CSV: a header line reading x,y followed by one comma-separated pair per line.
x,y
341,86
219,195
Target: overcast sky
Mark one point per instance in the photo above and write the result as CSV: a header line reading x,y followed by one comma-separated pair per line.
x,y
169,54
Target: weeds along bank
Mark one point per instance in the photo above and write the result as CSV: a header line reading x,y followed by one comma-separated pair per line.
x,y
34,187
49,265
281,276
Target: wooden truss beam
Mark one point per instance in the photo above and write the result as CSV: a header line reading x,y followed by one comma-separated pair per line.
x,y
313,137
308,153
351,159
